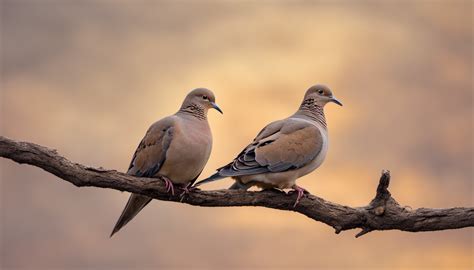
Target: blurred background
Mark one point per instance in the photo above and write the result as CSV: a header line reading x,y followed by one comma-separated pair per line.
x,y
88,77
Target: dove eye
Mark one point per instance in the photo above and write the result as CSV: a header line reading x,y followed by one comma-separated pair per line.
x,y
204,97
321,92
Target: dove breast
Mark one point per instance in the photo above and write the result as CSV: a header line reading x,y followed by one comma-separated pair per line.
x,y
189,150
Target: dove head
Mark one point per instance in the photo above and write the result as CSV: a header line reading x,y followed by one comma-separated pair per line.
x,y
199,101
320,95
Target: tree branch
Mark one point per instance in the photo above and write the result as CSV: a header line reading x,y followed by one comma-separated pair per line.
x,y
382,213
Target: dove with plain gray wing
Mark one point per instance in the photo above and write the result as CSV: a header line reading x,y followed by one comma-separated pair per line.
x,y
284,150
175,148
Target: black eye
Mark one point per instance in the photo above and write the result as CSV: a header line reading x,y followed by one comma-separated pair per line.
x,y
204,97
320,92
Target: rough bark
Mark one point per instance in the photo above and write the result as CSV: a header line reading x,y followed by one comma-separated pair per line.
x,y
382,213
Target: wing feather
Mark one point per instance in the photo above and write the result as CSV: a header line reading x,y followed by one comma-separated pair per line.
x,y
281,146
151,152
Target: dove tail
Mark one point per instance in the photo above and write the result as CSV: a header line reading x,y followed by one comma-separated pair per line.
x,y
212,178
134,205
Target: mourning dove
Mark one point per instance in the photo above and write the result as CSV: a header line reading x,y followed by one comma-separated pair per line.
x,y
176,148
284,150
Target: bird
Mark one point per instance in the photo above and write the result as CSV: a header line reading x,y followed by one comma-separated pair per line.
x,y
175,149
284,150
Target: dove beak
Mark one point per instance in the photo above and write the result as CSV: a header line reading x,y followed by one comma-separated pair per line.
x,y
333,99
214,105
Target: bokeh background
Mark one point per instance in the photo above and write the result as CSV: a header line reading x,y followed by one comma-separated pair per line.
x,y
88,77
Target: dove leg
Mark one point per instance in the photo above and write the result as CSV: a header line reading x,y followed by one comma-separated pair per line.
x,y
188,188
168,185
301,193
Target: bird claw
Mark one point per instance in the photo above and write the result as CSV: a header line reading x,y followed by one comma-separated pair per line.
x,y
168,185
187,189
301,193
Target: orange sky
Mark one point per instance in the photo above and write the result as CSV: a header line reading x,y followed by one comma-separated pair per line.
x,y
89,78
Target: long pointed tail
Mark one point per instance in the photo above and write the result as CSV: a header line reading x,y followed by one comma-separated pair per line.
x,y
211,178
134,205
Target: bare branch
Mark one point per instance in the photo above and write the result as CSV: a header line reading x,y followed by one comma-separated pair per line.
x,y
382,213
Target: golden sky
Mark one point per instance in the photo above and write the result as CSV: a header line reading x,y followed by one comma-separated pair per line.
x,y
87,78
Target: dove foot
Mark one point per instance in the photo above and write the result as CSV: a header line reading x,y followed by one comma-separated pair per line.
x,y
301,193
168,185
187,189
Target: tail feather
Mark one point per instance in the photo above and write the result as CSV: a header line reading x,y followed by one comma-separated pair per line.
x,y
134,205
212,178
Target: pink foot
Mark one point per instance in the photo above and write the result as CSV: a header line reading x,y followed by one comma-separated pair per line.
x,y
301,193
186,190
168,185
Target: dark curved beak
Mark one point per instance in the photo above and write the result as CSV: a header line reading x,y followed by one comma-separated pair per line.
x,y
214,105
333,99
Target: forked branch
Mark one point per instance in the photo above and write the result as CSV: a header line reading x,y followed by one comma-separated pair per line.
x,y
382,213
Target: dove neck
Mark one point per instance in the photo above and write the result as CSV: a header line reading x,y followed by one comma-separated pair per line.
x,y
312,112
193,110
